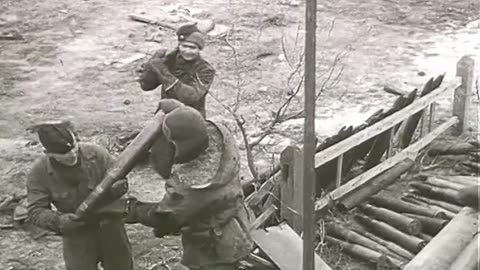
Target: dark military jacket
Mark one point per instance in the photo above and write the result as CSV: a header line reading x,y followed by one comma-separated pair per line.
x,y
186,81
65,187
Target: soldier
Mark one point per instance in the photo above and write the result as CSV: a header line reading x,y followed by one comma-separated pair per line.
x,y
204,197
183,73
64,177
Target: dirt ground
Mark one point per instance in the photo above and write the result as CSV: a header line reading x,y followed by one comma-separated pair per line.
x,y
74,61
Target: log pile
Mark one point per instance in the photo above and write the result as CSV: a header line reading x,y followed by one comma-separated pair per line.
x,y
388,230
398,230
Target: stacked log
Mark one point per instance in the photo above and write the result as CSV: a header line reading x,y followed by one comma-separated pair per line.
x,y
409,242
400,206
404,223
377,258
445,247
452,149
398,250
445,205
341,232
430,225
445,194
375,185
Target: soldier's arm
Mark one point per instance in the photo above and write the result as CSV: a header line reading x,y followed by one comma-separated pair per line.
x,y
149,78
39,203
188,94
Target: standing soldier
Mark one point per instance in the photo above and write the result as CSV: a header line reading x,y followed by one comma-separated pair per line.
x,y
204,196
64,177
183,73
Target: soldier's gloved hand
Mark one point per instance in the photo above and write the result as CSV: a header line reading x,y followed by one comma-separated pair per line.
x,y
119,188
67,223
160,54
131,217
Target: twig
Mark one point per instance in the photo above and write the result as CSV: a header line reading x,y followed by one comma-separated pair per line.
x,y
477,88
240,121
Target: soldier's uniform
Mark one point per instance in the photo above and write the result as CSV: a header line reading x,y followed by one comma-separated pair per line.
x,y
101,239
204,203
186,81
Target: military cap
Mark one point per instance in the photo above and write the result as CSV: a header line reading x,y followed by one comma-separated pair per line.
x,y
55,136
191,33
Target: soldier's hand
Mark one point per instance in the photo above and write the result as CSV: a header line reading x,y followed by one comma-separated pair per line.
x,y
119,188
67,223
160,54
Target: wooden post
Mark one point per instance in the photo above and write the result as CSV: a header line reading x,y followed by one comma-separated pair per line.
x,y
338,180
461,101
292,187
431,119
390,143
309,138
423,123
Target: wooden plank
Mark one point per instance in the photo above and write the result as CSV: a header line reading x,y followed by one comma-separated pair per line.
x,y
449,242
292,188
257,223
338,180
409,152
392,120
257,197
461,100
423,123
390,143
264,264
469,259
284,247
431,119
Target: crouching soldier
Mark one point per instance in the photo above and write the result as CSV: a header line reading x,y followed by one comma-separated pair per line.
x,y
64,177
204,197
183,73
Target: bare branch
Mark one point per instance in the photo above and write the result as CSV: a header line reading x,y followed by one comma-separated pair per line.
x,y
284,49
476,87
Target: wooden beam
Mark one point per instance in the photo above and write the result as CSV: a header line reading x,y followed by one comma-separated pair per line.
x,y
461,100
257,223
338,180
390,142
257,197
409,152
291,188
449,242
309,138
265,264
370,132
431,119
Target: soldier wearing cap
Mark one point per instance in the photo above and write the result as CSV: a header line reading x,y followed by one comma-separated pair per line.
x,y
204,197
64,177
183,74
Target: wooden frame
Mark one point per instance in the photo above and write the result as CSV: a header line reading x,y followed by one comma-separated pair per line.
x,y
292,181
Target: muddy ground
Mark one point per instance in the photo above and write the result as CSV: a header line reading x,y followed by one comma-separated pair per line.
x,y
74,61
